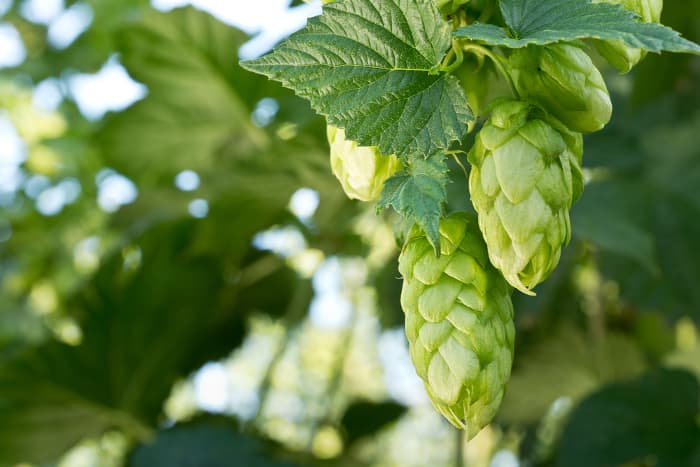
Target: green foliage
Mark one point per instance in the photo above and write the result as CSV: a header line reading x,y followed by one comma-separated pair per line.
x,y
105,316
371,69
68,392
202,444
199,102
567,366
654,215
365,418
546,22
419,193
650,419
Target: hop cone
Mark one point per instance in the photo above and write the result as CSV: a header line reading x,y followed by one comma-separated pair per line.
x,y
621,56
361,170
459,322
564,81
525,176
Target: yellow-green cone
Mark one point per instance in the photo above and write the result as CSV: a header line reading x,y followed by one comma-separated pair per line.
x,y
621,56
361,170
459,322
526,174
563,80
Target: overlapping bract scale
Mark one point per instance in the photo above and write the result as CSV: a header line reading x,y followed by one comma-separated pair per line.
x,y
562,79
525,176
459,322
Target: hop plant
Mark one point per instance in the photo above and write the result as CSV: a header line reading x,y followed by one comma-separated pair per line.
x,y
459,322
564,81
361,170
525,176
621,56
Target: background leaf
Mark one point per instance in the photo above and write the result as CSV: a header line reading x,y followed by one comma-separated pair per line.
x,y
651,419
366,418
202,444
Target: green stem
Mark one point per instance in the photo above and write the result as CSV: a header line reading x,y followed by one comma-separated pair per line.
x,y
459,57
454,154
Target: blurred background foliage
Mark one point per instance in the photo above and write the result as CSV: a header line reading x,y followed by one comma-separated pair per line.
x,y
183,283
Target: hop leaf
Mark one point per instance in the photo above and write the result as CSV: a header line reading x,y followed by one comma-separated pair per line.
x,y
459,322
621,56
361,170
565,82
525,176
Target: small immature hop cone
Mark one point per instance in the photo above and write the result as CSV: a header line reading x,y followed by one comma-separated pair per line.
x,y
621,56
361,170
526,174
564,81
459,322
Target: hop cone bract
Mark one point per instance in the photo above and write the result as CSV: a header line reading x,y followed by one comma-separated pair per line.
x,y
459,322
526,174
621,56
564,81
361,170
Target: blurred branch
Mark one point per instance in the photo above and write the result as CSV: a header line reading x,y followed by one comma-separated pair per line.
x,y
296,310
459,447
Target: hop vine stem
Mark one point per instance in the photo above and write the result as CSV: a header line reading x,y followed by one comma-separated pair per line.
x,y
459,447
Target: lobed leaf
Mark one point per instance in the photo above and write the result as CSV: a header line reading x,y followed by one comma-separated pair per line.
x,y
368,66
544,22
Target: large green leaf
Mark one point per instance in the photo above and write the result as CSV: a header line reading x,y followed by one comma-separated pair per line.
x,y
546,21
368,67
199,101
649,420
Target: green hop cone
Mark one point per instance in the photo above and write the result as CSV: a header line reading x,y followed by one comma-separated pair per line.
x,y
526,174
459,322
621,56
564,81
361,170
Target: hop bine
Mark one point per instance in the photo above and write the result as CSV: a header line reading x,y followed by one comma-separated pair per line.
x,y
562,79
525,176
361,170
459,322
